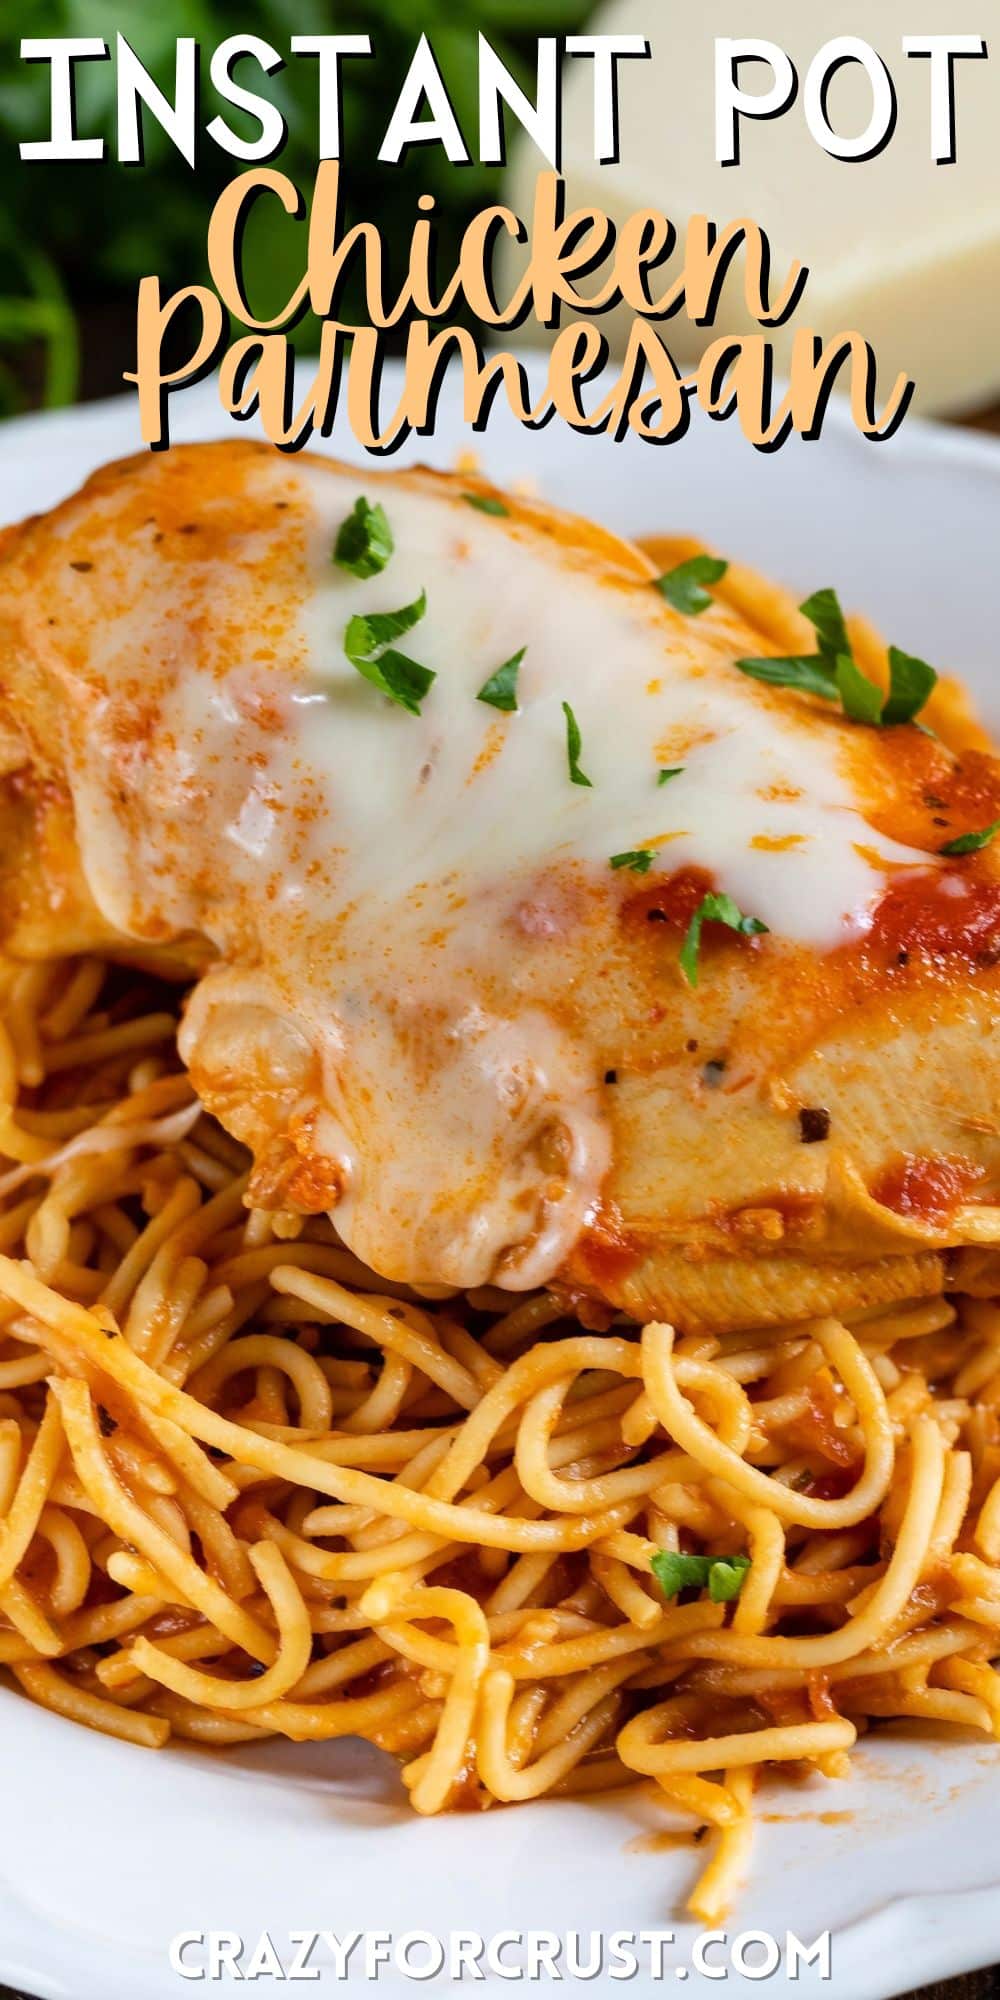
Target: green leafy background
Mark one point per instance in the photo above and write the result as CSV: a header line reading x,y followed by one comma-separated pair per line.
x,y
75,238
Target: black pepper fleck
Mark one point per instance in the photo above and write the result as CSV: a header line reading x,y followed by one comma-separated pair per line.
x,y
107,1422
611,1076
814,1125
83,567
656,916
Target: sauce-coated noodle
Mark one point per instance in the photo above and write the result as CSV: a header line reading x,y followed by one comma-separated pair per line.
x,y
244,1491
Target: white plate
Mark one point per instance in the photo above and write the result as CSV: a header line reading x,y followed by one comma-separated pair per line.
x,y
106,1852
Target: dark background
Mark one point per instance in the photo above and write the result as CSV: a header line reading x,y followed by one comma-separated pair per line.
x,y
75,238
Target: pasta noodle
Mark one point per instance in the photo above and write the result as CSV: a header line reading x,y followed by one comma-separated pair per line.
x,y
246,1489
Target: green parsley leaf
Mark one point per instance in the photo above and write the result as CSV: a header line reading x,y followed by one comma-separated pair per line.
x,y
683,586
807,672
824,613
723,1574
833,670
574,744
364,542
638,859
664,777
366,636
487,503
404,680
725,1578
500,691
971,843
368,645
860,698
911,681
811,673
714,909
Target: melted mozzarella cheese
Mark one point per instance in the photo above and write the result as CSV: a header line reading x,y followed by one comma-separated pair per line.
x,y
465,792
408,910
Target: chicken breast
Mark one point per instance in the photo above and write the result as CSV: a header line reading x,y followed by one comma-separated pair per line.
x,y
436,948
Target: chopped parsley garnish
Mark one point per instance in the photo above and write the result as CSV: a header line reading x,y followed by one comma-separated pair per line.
x,y
808,673
971,843
859,697
833,673
714,909
487,503
500,691
911,682
404,680
638,859
826,617
368,645
365,636
723,1574
364,543
683,586
664,777
574,744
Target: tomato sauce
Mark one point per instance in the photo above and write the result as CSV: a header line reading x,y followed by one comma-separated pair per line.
x,y
606,1254
925,1187
951,917
672,899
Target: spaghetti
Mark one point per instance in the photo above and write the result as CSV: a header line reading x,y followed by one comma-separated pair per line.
x,y
247,1488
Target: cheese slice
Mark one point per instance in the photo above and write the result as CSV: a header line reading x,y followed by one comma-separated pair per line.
x,y
902,249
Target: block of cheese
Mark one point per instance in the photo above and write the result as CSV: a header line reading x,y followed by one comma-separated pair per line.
x,y
898,247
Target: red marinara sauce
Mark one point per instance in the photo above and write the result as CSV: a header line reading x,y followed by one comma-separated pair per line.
x,y
947,920
924,1186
